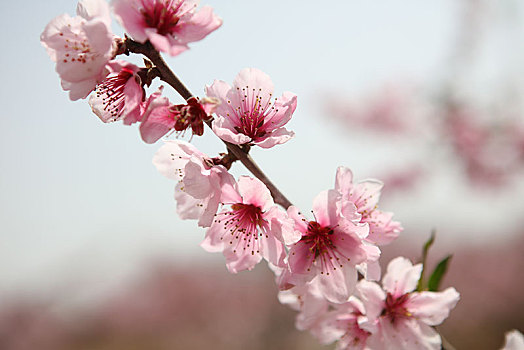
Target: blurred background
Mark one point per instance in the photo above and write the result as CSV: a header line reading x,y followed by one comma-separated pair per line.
x,y
426,96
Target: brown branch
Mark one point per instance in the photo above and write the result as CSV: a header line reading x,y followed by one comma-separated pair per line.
x,y
165,74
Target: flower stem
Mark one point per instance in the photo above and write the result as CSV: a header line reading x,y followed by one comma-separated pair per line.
x,y
167,75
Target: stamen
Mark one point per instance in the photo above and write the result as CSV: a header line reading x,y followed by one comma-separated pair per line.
x,y
111,91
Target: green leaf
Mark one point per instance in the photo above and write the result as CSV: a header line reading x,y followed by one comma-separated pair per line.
x,y
425,249
438,273
428,245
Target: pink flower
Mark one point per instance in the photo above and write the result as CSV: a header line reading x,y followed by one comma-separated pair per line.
x,y
193,114
160,116
247,114
200,183
514,341
81,46
250,228
168,24
310,304
119,95
342,325
330,248
365,195
400,318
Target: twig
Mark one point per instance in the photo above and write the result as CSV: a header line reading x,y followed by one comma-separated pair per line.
x,y
165,74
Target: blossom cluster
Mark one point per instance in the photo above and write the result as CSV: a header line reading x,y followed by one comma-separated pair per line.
x,y
85,49
327,265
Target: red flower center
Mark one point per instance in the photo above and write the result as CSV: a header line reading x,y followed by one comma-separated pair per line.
x,y
318,238
395,307
111,90
161,14
241,226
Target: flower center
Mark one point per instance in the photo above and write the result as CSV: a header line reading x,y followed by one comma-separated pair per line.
x,y
320,243
191,115
354,335
318,238
161,14
395,307
77,48
241,227
111,90
253,114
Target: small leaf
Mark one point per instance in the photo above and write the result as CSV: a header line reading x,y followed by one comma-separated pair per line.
x,y
428,245
438,273
425,249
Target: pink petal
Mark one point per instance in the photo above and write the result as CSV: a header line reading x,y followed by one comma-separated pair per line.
x,y
372,296
282,227
219,90
212,242
277,137
172,157
201,24
401,276
338,285
324,208
101,41
410,334
348,210
366,195
224,129
350,246
157,119
134,95
255,78
313,309
79,90
382,229
433,308
300,259
371,268
165,43
211,208
272,249
187,207
230,193
286,106
51,38
96,35
343,180
127,13
94,9
197,180
300,223
238,261
253,191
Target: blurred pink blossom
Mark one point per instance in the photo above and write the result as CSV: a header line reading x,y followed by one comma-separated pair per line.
x,y
490,152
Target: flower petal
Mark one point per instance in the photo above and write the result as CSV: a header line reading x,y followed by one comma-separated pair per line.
x,y
401,276
433,308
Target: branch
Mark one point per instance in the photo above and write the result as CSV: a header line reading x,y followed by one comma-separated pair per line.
x,y
165,74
